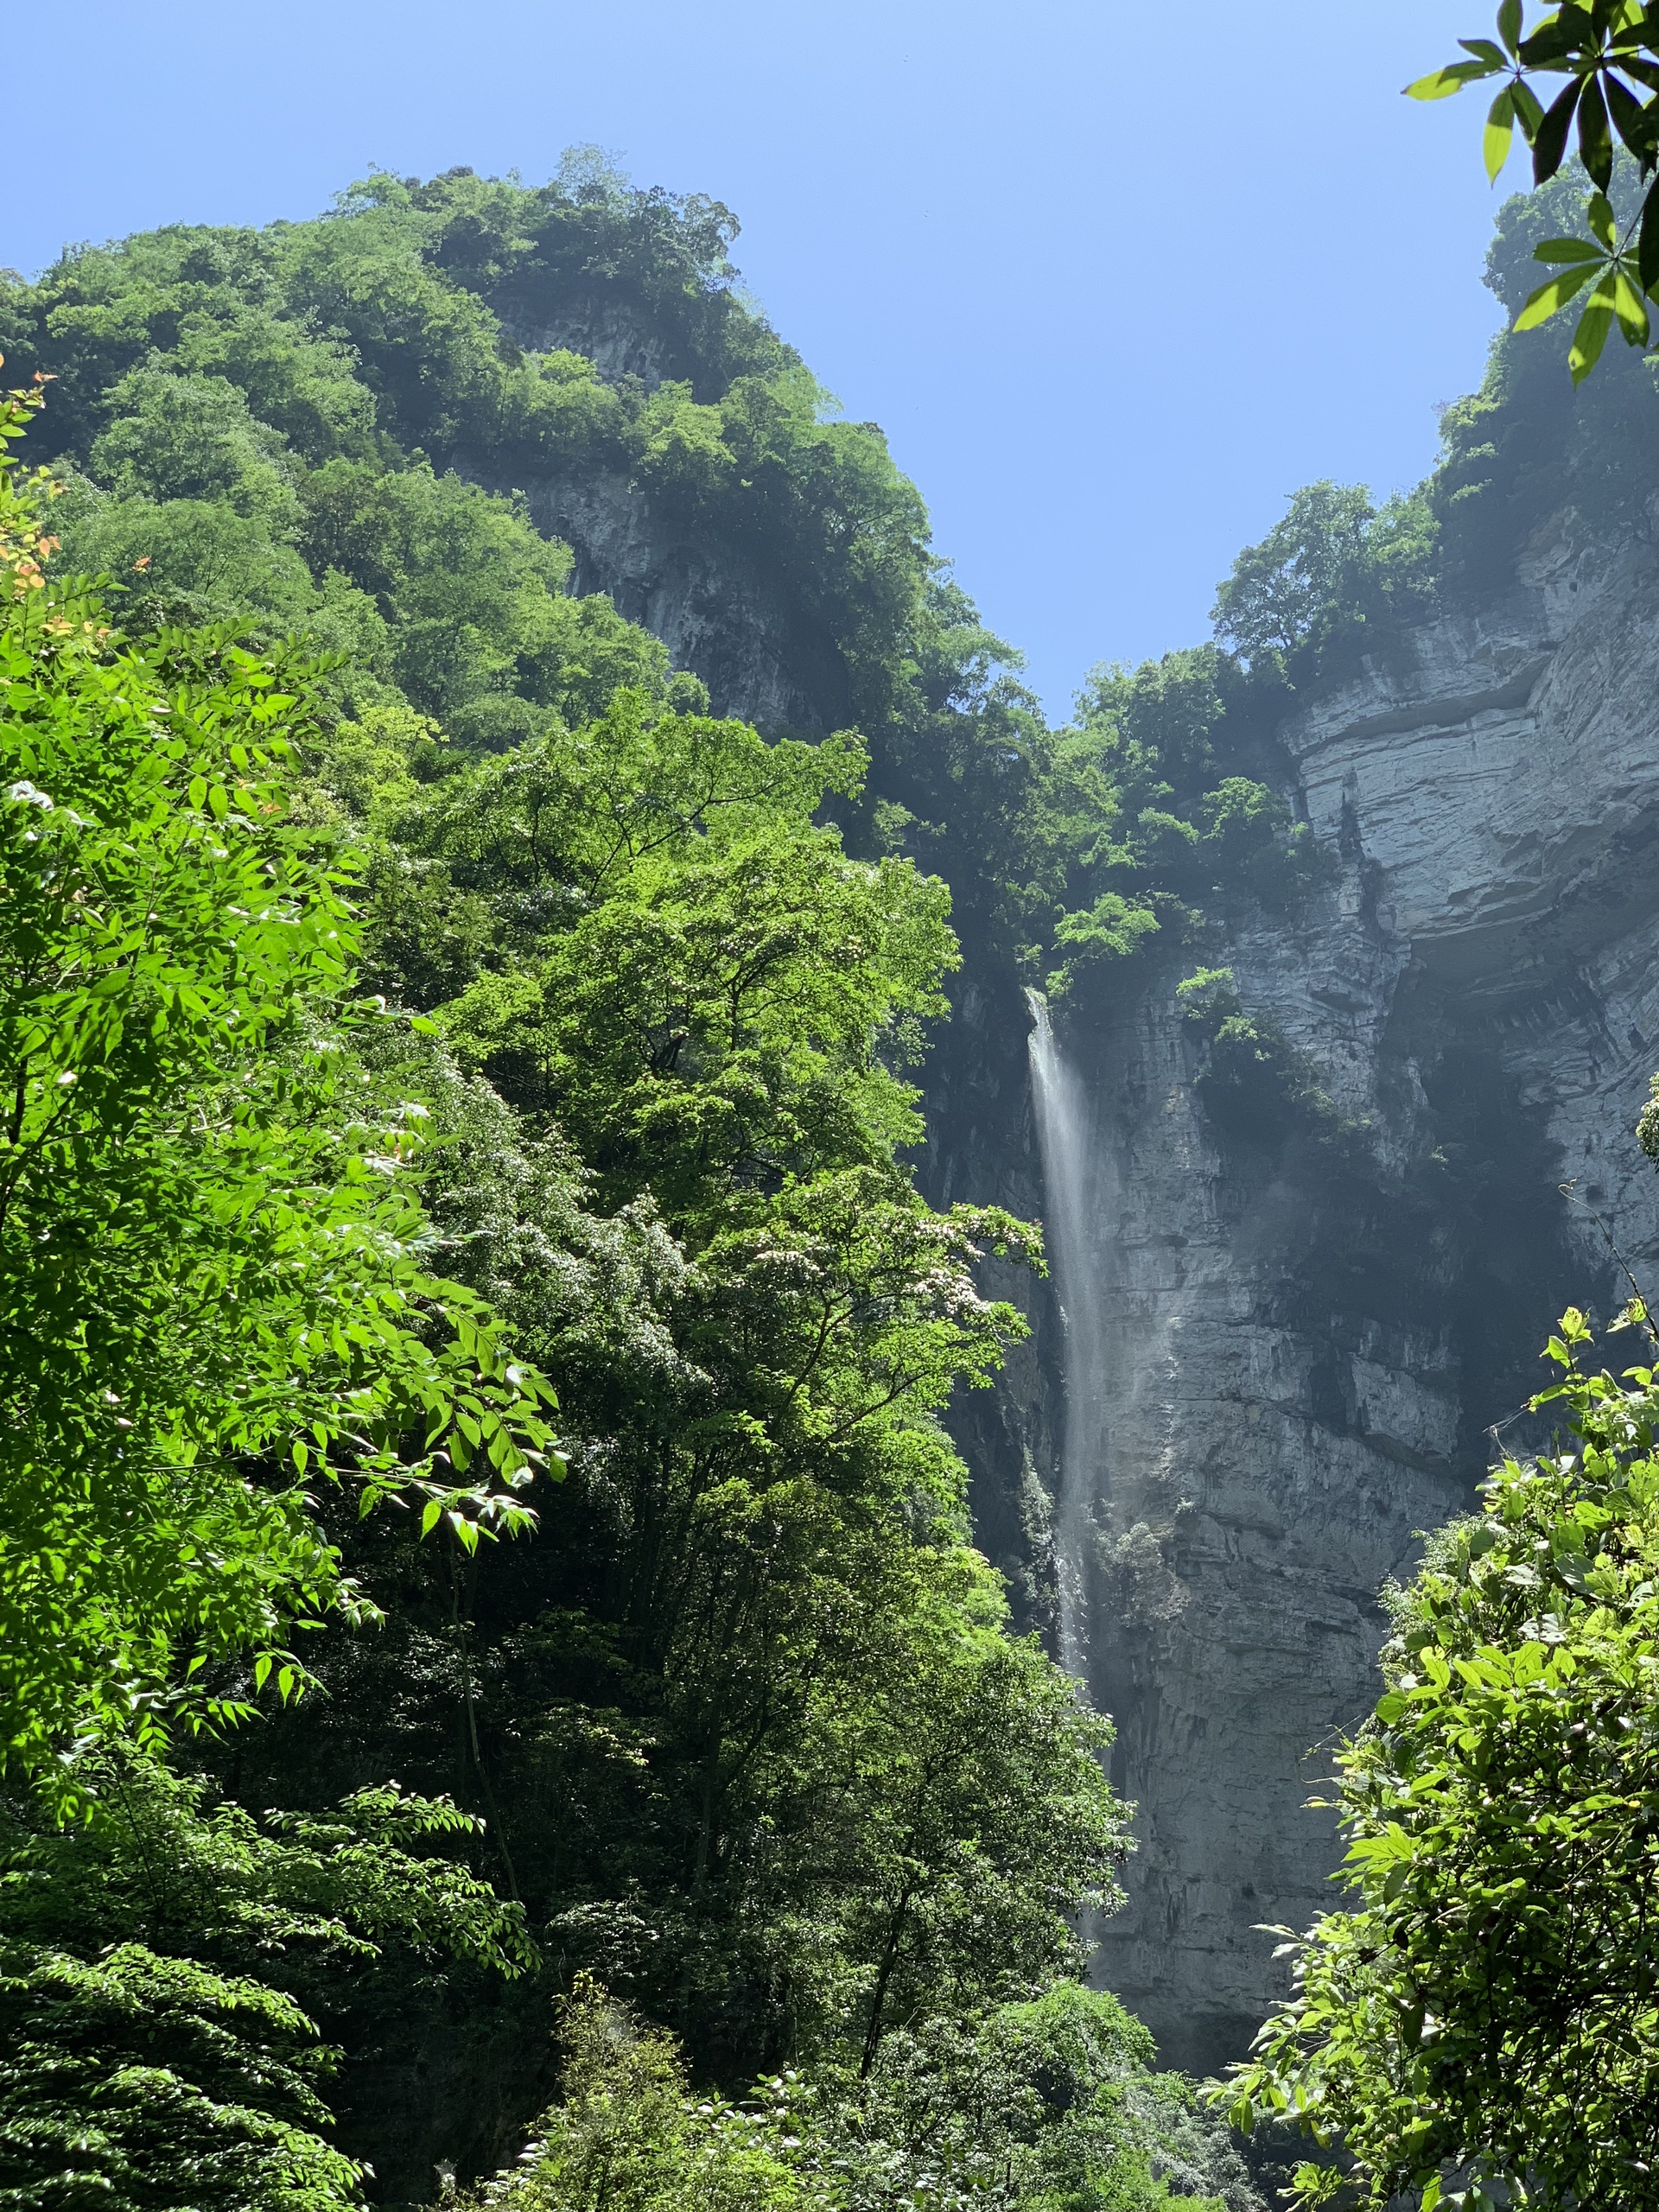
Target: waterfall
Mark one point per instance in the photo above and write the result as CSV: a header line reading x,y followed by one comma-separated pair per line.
x,y
1069,1183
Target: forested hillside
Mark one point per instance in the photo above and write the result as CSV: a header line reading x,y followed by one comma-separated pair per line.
x,y
437,1041
502,799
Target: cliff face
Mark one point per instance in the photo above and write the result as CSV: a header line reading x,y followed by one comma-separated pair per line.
x,y
713,604
1295,1338
1304,1336
1302,1343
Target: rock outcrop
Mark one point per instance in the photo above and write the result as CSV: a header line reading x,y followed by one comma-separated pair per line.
x,y
714,604
1309,1329
1306,1331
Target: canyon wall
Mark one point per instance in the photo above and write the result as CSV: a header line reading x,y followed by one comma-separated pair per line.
x,y
1308,1328
1298,1331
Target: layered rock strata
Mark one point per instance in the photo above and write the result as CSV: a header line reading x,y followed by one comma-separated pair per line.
x,y
1309,1322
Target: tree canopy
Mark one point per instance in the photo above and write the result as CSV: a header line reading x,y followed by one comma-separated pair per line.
x,y
214,1292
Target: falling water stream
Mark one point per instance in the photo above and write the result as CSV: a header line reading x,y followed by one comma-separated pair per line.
x,y
1063,1133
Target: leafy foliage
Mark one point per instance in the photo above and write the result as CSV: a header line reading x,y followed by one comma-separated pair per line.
x,y
769,1755
1052,2104
1481,2027
213,1290
574,339
771,1760
756,1741
1608,52
1332,564
159,1966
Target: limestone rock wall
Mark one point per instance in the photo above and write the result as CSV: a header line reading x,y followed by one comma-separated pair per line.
x,y
1309,1340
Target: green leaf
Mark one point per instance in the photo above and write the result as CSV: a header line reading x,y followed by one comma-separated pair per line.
x,y
1508,25
1632,316
1441,84
1633,122
1567,249
1549,138
1528,109
1592,333
1483,50
430,1517
1499,135
1595,136
1598,214
1550,298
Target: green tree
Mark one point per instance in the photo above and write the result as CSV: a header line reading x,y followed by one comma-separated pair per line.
x,y
1052,2105
213,1289
1333,563
847,1793
160,1968
1481,2026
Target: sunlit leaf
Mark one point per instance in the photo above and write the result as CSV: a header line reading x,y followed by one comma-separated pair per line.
x,y
1440,84
1633,314
1550,298
1499,135
1590,335
1567,249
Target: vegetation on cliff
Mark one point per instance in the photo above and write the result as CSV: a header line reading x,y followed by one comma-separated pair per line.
x,y
446,1028
1479,2027
405,1027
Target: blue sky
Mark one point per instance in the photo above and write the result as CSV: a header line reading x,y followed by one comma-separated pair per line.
x,y
1111,303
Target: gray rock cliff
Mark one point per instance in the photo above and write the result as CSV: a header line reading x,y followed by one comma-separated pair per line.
x,y
1304,1338
1299,1337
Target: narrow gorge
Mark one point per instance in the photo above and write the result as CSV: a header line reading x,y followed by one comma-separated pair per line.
x,y
740,956
1302,1348
1276,1345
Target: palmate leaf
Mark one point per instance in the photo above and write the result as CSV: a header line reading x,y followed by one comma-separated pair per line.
x,y
1550,298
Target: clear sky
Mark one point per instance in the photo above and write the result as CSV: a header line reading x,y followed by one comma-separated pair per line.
x,y
1113,297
